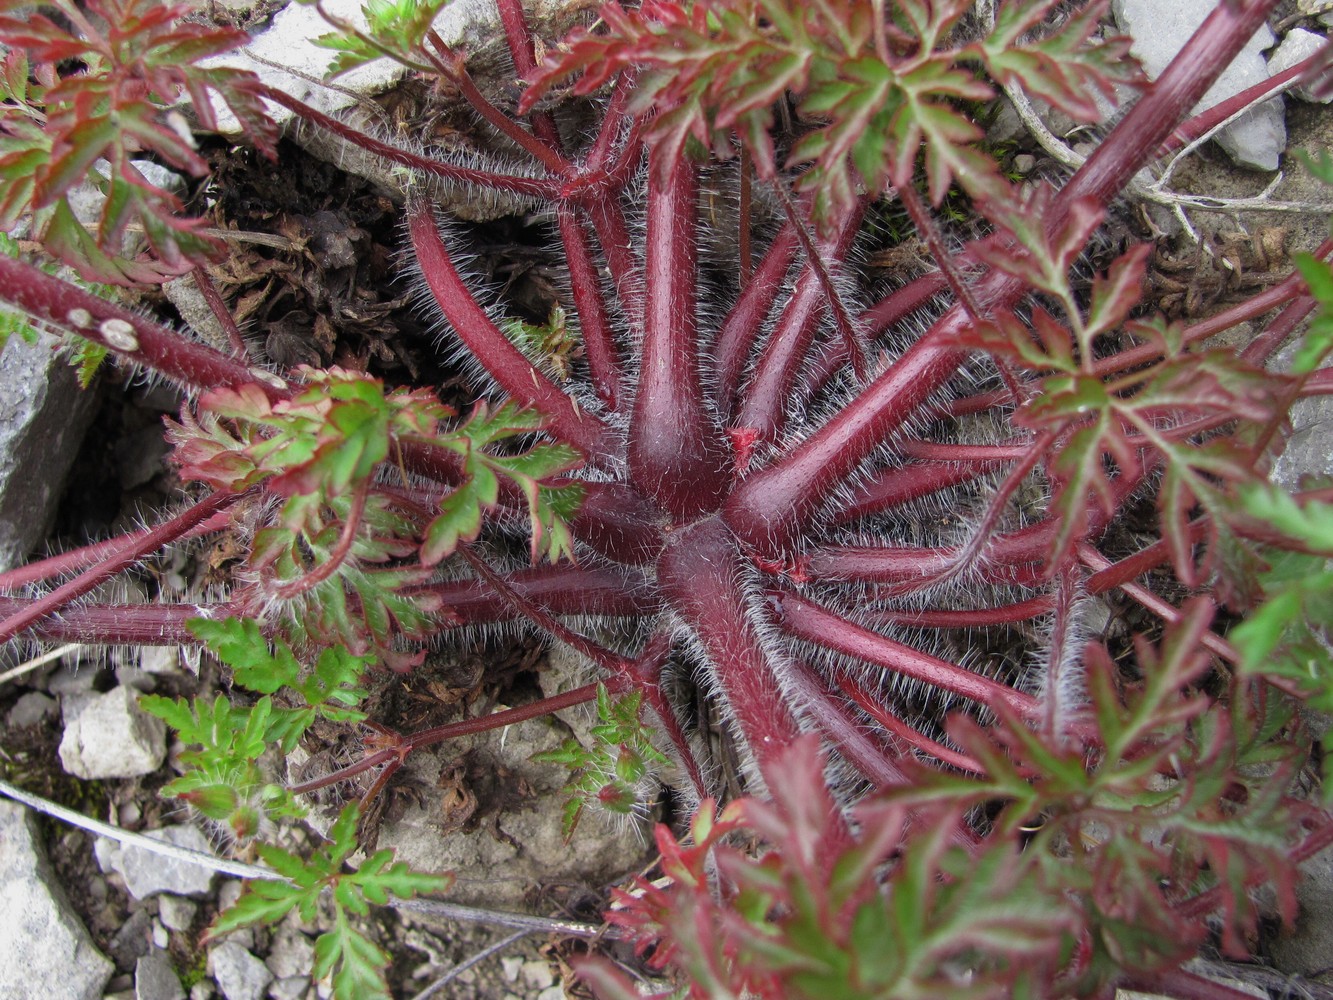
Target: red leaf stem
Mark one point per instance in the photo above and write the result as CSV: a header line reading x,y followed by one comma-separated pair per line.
x,y
700,574
220,312
768,393
889,488
452,67
1190,129
505,362
559,590
450,731
593,314
67,307
88,555
1003,614
116,624
676,454
740,331
322,571
810,621
532,187
874,707
126,554
1170,614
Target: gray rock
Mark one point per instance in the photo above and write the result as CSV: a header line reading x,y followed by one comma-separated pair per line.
x,y
31,709
291,954
134,939
110,736
176,912
239,975
293,988
132,677
45,952
147,873
1309,450
1160,30
1297,46
43,416
160,660
141,456
72,677
288,42
155,979
1306,949
184,294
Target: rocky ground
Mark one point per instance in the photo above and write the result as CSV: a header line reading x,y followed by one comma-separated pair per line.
x,y
85,917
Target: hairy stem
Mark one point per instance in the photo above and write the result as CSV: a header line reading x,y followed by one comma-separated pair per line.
x,y
65,306
505,362
771,508
127,554
676,454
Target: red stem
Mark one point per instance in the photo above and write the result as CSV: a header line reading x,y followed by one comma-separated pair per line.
x,y
450,731
560,590
889,488
1003,614
700,575
532,187
117,624
1211,641
809,621
613,236
594,317
771,509
505,362
88,555
769,391
220,312
736,339
322,571
129,552
1190,129
874,707
451,67
61,304
676,453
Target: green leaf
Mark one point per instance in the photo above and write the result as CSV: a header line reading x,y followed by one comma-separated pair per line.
x,y
1318,339
354,961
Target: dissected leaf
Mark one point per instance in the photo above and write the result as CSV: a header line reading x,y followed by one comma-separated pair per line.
x,y
355,962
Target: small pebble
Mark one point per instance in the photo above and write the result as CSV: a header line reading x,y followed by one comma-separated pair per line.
x,y
537,975
176,912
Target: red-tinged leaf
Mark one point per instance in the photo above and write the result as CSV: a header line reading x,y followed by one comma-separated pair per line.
x,y
244,402
459,520
44,40
1040,259
73,155
1117,292
67,238
1065,66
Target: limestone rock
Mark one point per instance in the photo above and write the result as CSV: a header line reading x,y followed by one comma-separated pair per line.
x,y
239,975
1159,30
43,416
110,736
147,873
45,952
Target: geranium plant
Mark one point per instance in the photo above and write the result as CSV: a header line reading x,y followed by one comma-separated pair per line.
x,y
874,526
